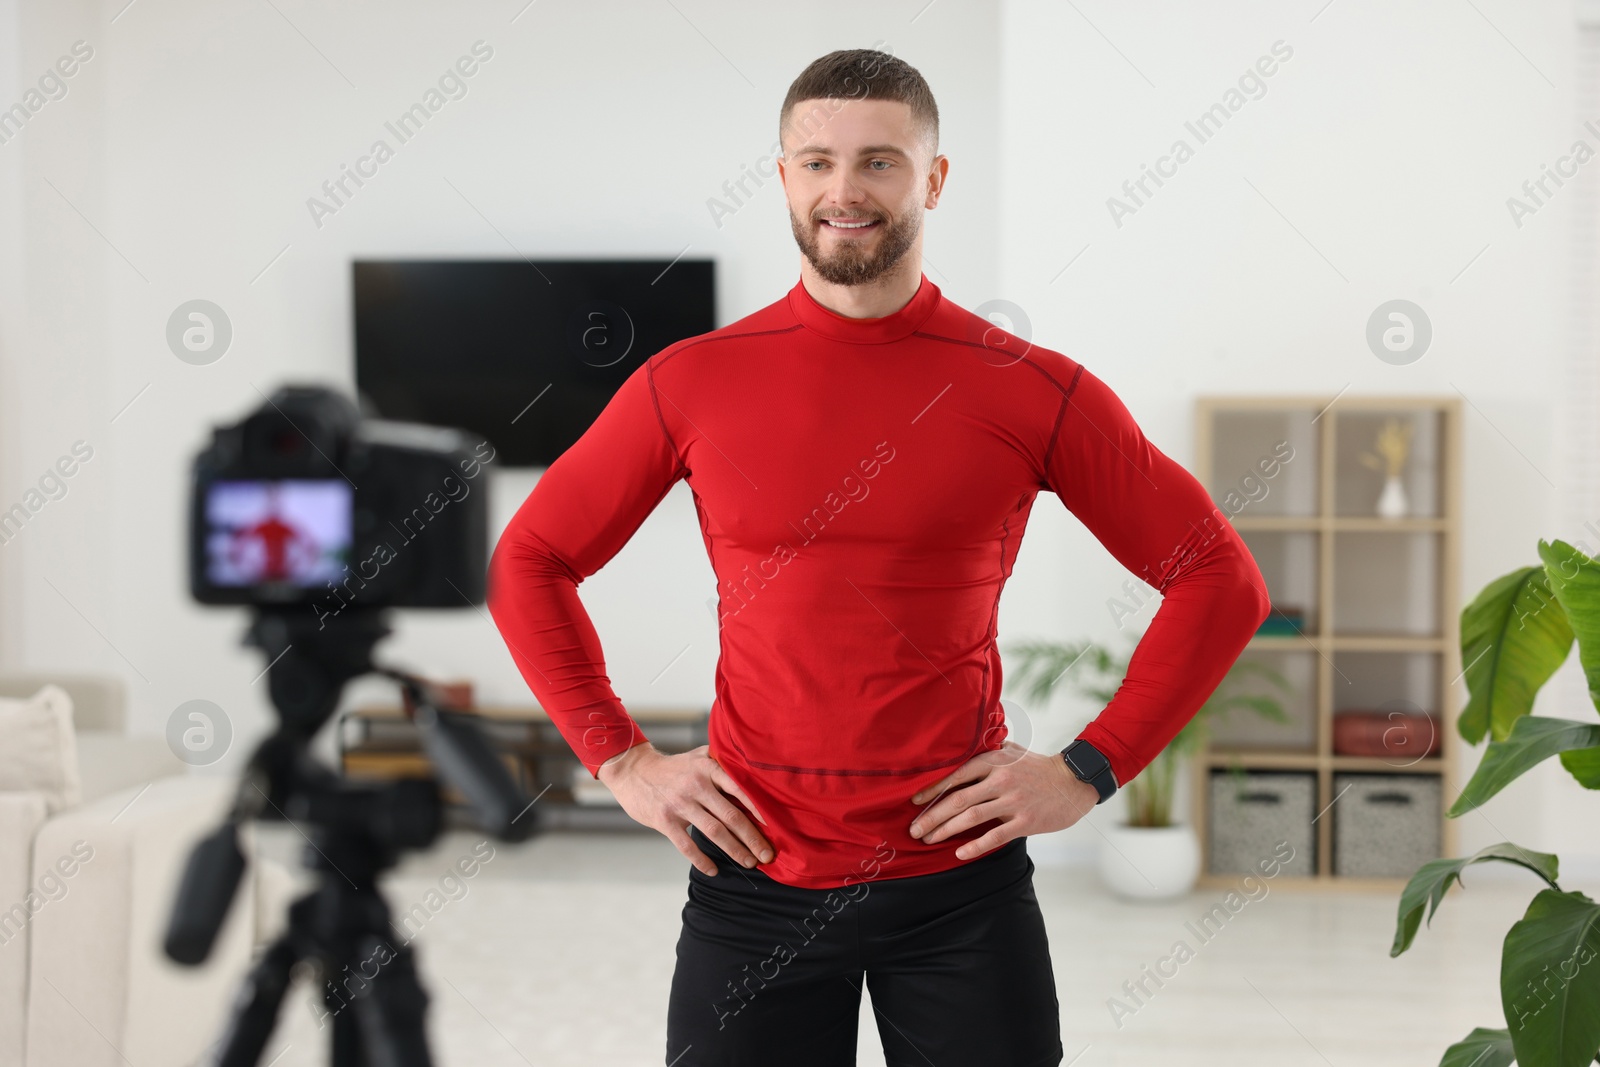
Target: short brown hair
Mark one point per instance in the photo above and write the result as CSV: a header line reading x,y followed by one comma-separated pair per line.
x,y
865,73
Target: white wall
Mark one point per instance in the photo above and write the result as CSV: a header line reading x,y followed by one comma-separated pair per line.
x,y
195,154
1376,166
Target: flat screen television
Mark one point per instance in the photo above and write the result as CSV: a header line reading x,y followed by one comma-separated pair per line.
x,y
525,353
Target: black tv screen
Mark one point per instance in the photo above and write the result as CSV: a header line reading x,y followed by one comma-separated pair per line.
x,y
525,353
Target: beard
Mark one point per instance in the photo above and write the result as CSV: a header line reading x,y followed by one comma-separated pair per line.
x,y
854,262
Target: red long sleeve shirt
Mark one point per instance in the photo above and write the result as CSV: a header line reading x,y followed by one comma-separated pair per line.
x,y
862,487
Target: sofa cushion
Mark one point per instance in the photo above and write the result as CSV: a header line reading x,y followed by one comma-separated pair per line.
x,y
21,815
101,991
40,752
109,762
99,701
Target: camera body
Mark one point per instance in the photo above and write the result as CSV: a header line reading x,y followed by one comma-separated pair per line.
x,y
304,503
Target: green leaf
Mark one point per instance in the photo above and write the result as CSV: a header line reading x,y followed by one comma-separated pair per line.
x,y
1432,880
1575,580
1584,764
1042,665
1550,981
1481,1048
1265,707
1513,637
1534,738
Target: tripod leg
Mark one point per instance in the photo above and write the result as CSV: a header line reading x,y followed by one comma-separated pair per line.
x,y
391,1013
255,1007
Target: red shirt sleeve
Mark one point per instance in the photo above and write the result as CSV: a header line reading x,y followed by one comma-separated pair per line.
x,y
1157,520
583,509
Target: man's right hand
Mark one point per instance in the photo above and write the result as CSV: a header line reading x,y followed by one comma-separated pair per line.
x,y
670,793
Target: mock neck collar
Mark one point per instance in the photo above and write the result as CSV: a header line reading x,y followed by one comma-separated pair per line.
x,y
892,327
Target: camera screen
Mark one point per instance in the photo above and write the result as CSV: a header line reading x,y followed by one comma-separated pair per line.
x,y
293,531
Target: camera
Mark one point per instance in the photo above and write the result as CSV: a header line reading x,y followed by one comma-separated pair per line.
x,y
320,521
304,503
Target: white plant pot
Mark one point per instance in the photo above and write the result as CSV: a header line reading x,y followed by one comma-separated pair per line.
x,y
1062,849
1150,863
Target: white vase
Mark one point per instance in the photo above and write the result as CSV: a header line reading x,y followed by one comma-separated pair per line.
x,y
1392,503
1150,862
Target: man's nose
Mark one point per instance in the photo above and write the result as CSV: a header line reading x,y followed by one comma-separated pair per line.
x,y
844,191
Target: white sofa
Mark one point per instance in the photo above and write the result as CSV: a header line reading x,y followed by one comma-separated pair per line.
x,y
83,979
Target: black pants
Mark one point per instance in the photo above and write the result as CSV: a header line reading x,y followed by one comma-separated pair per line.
x,y
956,964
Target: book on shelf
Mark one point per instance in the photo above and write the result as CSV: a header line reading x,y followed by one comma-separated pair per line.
x,y
359,731
1285,620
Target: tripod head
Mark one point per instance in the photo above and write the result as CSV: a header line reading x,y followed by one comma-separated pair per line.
x,y
354,832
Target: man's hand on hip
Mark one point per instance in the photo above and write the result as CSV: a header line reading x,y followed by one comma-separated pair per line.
x,y
672,793
1029,792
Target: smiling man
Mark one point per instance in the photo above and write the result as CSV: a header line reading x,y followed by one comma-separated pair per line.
x,y
864,455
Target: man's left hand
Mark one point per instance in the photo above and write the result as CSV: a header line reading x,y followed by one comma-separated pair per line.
x,y
1029,792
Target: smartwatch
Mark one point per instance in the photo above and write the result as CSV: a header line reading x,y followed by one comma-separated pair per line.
x,y
1091,765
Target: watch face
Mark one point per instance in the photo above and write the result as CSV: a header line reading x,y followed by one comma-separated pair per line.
x,y
1088,759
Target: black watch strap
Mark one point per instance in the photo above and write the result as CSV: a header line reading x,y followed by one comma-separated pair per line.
x,y
1091,765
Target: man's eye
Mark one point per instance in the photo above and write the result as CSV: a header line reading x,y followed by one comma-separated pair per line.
x,y
885,162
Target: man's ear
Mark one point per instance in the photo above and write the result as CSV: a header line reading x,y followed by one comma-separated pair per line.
x,y
936,177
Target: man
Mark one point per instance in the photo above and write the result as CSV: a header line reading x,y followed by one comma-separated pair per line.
x,y
864,455
270,549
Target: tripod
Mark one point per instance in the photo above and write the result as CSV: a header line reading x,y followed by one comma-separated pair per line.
x,y
354,831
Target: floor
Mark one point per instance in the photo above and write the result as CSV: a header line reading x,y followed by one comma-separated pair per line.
x,y
559,952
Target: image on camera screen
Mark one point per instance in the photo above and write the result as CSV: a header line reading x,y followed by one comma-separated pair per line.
x,y
292,530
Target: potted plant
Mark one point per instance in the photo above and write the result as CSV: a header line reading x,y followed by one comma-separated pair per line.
x,y
1514,635
1147,856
